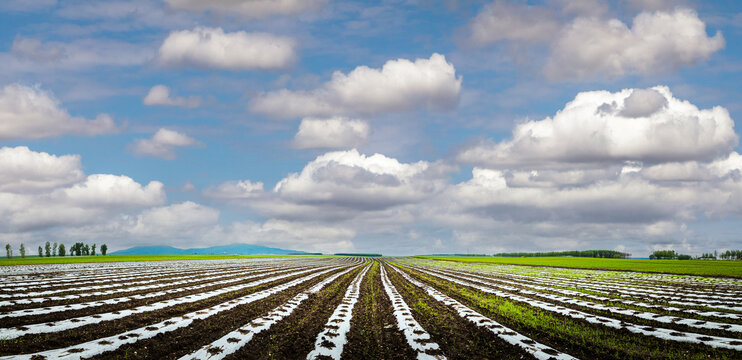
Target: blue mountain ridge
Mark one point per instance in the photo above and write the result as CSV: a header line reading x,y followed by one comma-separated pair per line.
x,y
233,249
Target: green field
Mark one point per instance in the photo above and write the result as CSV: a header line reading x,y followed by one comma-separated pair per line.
x,y
688,267
114,258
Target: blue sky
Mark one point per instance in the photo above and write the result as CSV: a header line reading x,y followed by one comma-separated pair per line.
x,y
400,127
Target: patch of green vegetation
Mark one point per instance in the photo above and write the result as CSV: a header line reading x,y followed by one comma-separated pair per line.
x,y
685,267
119,258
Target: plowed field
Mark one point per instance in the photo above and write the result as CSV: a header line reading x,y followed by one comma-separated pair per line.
x,y
362,308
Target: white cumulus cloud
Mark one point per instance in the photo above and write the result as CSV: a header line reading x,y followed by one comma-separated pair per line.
x,y
112,191
599,126
213,48
353,180
400,85
171,220
32,113
41,191
337,132
163,144
340,185
24,170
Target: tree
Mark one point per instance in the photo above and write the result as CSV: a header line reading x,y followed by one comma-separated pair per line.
x,y
86,250
8,250
48,249
41,252
54,249
23,251
92,250
77,249
103,249
665,255
62,251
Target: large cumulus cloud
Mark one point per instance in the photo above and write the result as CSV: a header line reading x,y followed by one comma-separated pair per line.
x,y
400,85
646,125
45,191
343,184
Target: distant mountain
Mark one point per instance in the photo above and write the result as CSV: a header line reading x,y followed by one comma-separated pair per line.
x,y
234,249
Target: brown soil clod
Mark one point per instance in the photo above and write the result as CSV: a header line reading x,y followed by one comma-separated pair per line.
x,y
215,350
327,344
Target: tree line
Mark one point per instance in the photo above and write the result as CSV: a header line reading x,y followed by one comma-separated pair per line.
x,y
672,255
49,250
726,255
610,254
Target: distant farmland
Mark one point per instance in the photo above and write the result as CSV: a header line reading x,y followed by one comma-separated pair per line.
x,y
359,307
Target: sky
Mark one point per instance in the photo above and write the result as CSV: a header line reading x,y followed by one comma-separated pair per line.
x,y
399,127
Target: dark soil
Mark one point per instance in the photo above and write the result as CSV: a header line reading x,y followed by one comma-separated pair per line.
x,y
62,315
103,297
373,328
174,344
41,342
108,281
294,336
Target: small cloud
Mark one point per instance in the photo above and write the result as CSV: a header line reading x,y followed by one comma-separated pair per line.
x,y
213,48
187,187
160,95
235,191
163,144
335,132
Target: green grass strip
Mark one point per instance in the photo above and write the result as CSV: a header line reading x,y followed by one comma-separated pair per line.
x,y
683,267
